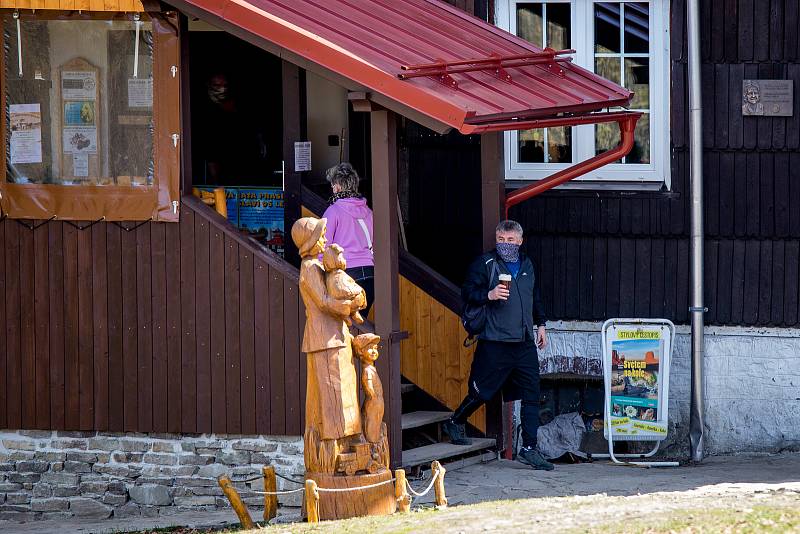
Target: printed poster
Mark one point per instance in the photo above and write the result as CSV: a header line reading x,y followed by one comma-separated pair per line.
x,y
261,215
80,164
140,92
80,139
78,85
26,133
637,383
80,113
302,156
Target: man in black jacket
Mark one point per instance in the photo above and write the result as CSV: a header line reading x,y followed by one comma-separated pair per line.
x,y
506,356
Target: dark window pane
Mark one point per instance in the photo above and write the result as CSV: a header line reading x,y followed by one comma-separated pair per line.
x,y
637,27
606,137
559,145
606,27
531,146
637,79
529,23
558,26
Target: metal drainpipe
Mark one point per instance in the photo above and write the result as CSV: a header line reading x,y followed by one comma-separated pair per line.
x,y
697,309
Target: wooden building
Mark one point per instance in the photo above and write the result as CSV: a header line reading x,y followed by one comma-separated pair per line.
x,y
131,306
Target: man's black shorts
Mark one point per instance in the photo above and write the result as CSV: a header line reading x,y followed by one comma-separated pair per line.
x,y
512,367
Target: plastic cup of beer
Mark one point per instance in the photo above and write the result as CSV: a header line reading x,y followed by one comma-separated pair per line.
x,y
505,279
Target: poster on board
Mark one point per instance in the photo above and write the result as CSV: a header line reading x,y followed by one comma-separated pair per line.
x,y
78,85
261,215
25,122
636,372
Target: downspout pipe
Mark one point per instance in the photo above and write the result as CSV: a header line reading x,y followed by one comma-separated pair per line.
x,y
697,309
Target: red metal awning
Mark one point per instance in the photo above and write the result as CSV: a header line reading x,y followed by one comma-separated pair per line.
x,y
424,55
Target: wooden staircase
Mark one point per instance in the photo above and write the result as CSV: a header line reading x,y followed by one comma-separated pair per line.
x,y
426,425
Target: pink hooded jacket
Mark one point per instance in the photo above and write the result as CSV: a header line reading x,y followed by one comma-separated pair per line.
x,y
345,230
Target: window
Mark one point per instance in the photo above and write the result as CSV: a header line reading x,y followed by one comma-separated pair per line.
x,y
79,119
625,42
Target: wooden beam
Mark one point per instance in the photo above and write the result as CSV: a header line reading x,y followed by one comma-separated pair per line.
x,y
492,202
387,290
187,177
293,130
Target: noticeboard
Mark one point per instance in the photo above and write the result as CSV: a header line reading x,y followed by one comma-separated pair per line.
x,y
636,360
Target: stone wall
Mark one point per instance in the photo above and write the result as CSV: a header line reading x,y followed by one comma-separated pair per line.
x,y
752,383
46,475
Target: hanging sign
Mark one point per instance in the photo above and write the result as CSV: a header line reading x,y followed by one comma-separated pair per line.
x,y
636,359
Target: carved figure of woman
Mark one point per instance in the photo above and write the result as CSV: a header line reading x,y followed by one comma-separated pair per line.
x,y
332,410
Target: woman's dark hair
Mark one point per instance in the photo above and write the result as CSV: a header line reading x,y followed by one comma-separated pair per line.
x,y
345,176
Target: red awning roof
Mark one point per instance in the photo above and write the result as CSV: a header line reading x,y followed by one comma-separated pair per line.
x,y
369,42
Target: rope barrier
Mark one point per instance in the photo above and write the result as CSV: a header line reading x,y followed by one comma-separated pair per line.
x,y
341,490
285,492
247,480
428,489
289,479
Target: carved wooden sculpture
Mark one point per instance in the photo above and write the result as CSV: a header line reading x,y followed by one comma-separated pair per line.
x,y
341,285
337,455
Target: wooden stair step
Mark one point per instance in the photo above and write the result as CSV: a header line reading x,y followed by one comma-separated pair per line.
x,y
416,419
407,388
442,451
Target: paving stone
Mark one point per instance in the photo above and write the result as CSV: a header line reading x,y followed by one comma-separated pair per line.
x,y
150,494
89,508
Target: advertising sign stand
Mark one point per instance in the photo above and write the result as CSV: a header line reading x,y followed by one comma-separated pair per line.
x,y
636,360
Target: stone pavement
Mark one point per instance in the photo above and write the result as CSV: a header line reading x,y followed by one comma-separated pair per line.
x,y
511,480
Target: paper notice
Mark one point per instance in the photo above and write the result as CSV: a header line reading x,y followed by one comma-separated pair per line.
x,y
302,156
78,85
140,92
80,164
26,133
80,139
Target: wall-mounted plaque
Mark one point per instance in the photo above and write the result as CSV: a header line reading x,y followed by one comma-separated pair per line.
x,y
768,97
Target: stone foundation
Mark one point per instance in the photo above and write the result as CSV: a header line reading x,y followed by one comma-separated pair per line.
x,y
752,383
50,475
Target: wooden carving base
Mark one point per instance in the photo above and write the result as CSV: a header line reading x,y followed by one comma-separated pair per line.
x,y
343,504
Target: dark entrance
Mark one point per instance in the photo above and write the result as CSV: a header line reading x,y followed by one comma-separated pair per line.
x,y
236,109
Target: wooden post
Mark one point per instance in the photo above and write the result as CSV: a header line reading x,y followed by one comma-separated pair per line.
x,y
492,212
187,173
221,201
400,491
236,502
438,486
312,501
387,292
270,485
293,130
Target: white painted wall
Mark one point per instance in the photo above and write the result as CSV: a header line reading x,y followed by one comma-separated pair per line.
x,y
327,115
752,383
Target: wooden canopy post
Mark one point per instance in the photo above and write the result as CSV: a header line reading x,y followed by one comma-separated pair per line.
x,y
294,129
493,196
387,292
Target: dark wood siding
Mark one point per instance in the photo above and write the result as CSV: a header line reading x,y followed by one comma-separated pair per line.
x,y
163,327
605,254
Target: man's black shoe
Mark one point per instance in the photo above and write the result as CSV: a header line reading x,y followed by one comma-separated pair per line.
x,y
458,435
534,458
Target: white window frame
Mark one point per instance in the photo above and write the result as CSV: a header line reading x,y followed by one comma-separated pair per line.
x,y
653,175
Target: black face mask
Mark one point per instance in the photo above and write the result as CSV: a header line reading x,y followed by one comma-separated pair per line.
x,y
508,252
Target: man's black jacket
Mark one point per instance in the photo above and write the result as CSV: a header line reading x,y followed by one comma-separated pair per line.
x,y
506,320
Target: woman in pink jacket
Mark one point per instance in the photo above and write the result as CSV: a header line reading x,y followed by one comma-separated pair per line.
x,y
350,226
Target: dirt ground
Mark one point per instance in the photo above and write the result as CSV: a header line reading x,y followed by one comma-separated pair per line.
x,y
719,493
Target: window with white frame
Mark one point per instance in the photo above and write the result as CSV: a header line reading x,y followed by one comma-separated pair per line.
x,y
625,42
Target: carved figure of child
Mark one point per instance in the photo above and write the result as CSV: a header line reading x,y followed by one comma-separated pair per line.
x,y
341,285
366,346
